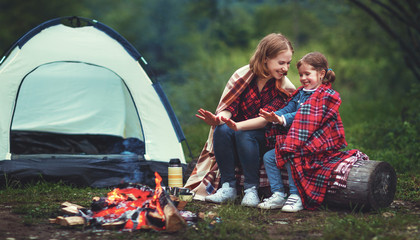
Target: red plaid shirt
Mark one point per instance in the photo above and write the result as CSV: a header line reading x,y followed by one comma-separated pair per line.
x,y
249,103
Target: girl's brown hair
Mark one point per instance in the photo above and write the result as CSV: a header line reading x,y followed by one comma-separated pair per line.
x,y
269,47
319,62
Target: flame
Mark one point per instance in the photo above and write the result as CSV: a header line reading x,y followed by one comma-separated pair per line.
x,y
158,191
142,220
115,196
129,224
137,201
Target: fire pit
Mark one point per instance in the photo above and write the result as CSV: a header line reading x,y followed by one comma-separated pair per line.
x,y
132,208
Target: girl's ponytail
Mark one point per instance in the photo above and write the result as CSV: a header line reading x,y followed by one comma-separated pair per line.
x,y
329,76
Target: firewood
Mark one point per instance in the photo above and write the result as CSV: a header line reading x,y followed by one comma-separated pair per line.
x,y
155,215
70,221
181,205
70,208
113,225
52,220
174,220
131,196
68,204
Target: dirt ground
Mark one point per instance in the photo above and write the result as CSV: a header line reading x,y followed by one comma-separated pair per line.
x,y
12,225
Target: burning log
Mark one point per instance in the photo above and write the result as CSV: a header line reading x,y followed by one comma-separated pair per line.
x,y
174,221
114,225
131,208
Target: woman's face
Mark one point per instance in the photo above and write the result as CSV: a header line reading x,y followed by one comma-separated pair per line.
x,y
280,64
309,77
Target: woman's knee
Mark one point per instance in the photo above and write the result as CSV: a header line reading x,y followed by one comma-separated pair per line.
x,y
221,131
249,137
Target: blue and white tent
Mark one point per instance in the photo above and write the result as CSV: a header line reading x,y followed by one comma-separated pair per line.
x,y
77,103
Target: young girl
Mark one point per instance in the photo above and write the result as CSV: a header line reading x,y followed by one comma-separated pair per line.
x,y
260,85
310,149
311,77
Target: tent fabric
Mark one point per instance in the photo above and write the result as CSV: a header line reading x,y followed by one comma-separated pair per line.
x,y
87,89
53,143
84,80
88,171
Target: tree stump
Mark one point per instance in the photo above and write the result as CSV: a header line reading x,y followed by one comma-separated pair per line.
x,y
369,186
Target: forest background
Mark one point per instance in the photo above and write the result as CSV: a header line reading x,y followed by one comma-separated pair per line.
x,y
194,46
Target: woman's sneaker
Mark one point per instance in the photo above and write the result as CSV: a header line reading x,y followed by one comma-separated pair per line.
x,y
276,200
293,204
251,198
224,194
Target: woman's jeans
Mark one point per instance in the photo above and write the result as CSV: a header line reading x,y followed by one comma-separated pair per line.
x,y
274,175
231,147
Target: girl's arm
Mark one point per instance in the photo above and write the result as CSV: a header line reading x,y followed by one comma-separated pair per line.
x,y
290,107
289,117
250,124
271,117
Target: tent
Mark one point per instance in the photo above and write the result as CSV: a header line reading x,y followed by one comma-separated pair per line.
x,y
79,103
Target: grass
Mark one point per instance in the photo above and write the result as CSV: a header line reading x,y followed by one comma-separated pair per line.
x,y
388,225
38,201
408,187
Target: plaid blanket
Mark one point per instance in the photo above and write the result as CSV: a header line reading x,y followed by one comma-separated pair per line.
x,y
312,146
205,177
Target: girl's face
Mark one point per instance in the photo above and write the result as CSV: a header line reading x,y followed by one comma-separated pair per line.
x,y
309,77
279,65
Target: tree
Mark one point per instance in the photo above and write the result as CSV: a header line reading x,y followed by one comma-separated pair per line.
x,y
400,19
17,16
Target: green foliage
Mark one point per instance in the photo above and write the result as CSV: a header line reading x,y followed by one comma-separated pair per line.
x,y
195,46
18,17
386,133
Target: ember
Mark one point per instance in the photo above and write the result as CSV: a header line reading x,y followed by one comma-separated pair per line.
x,y
133,208
133,205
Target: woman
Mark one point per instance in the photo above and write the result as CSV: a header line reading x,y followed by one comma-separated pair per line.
x,y
260,85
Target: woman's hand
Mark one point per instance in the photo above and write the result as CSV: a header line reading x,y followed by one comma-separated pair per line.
x,y
270,116
230,123
208,117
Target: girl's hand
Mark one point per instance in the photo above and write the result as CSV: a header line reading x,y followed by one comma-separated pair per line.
x,y
208,117
270,116
230,123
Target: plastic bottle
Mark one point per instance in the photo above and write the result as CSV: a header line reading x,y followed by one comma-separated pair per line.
x,y
175,173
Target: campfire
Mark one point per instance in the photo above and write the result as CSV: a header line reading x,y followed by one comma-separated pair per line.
x,y
131,208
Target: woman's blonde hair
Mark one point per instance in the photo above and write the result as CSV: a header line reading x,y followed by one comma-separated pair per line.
x,y
269,47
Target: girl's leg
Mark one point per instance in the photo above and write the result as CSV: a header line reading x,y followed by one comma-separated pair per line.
x,y
294,202
248,144
276,200
225,153
292,186
273,173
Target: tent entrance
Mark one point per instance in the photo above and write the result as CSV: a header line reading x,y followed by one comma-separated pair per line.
x,y
75,108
